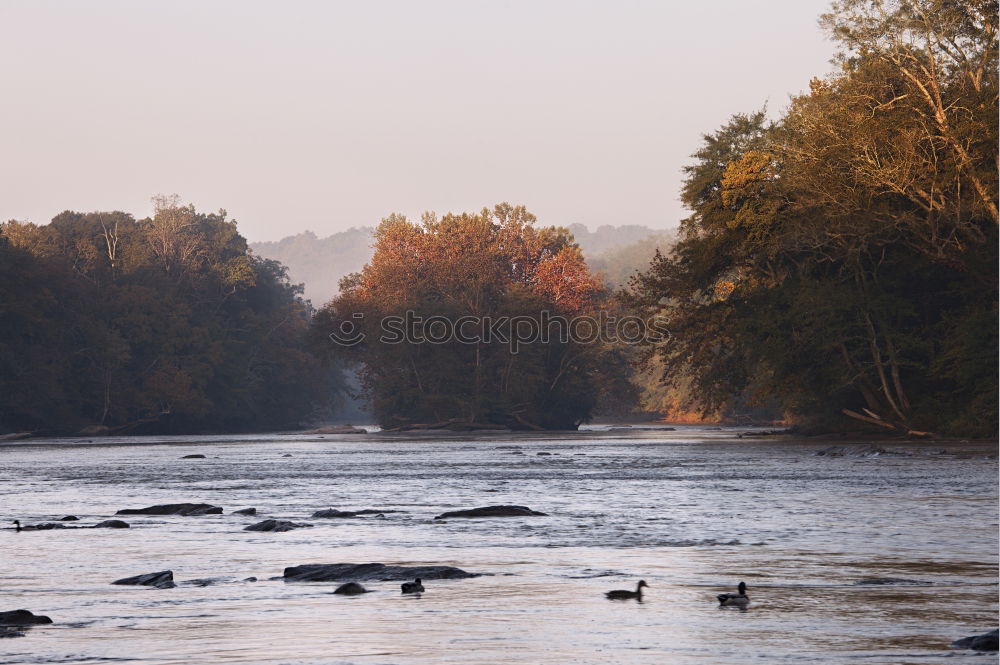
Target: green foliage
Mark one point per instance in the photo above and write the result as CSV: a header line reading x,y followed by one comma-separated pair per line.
x,y
843,261
166,324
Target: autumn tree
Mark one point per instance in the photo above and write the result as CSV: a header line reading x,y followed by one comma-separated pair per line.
x,y
842,261
472,268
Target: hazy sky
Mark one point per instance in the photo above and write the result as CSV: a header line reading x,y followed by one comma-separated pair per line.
x,y
326,115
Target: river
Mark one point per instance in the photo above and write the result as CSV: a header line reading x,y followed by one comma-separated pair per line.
x,y
692,512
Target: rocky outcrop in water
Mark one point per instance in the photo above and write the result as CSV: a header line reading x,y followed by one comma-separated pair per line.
x,y
275,526
371,572
334,513
195,456
186,509
985,642
350,589
69,518
111,524
492,511
337,429
245,511
161,580
14,622
22,618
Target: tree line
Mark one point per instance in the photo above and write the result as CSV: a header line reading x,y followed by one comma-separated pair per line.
x,y
841,262
163,324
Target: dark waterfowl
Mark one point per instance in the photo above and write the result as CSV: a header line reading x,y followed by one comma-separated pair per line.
x,y
621,594
17,525
740,599
413,587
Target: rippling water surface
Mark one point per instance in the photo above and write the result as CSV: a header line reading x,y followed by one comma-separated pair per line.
x,y
691,511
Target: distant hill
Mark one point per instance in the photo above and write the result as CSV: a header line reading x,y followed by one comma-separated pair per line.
x,y
320,263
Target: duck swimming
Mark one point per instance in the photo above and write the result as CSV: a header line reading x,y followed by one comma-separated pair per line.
x,y
415,586
621,594
740,599
350,589
17,525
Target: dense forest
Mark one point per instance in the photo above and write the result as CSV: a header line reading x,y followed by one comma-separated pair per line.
x,y
841,262
483,267
839,269
165,324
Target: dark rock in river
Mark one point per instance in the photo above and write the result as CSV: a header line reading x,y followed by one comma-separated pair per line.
x,y
69,518
47,526
161,580
197,456
371,572
187,509
275,525
245,511
985,642
350,589
111,524
337,429
22,618
333,512
492,511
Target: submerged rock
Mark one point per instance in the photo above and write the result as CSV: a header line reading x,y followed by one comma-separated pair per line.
x,y
337,429
10,632
195,456
69,518
22,618
111,524
245,511
350,589
161,580
187,509
371,572
985,642
333,512
492,511
276,526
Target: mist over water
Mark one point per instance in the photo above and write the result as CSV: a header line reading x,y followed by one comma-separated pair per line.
x,y
693,512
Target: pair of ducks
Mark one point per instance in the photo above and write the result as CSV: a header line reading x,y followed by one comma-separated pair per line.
x,y
739,599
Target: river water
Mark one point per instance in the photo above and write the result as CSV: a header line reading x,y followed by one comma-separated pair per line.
x,y
693,512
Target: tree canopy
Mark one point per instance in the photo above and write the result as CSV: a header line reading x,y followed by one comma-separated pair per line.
x,y
165,324
842,261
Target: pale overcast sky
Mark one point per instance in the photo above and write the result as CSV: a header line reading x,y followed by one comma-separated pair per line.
x,y
325,115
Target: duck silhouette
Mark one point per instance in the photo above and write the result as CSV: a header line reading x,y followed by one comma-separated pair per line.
x,y
622,594
415,586
740,599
